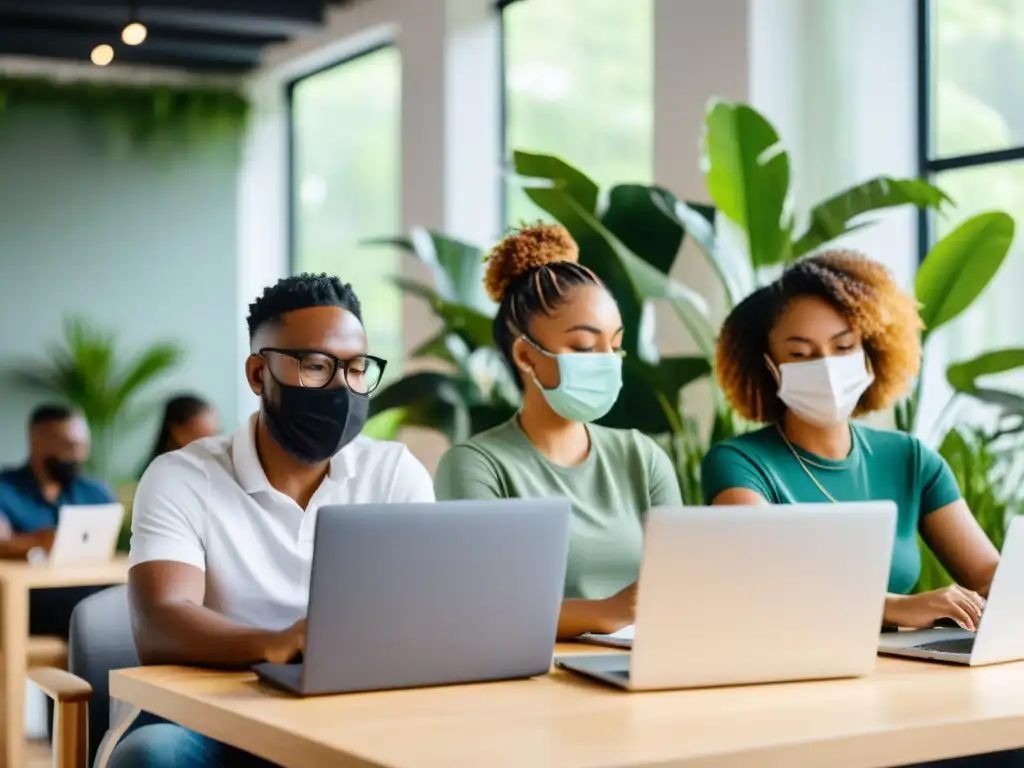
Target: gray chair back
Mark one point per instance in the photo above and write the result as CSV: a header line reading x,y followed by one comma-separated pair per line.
x,y
101,640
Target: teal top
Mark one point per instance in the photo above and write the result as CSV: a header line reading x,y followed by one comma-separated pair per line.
x,y
625,474
882,465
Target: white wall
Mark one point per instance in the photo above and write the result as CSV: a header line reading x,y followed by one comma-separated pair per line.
x,y
141,243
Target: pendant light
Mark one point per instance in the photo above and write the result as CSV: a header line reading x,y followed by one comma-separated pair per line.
x,y
135,31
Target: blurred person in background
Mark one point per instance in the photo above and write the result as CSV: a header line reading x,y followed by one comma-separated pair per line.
x,y
30,500
186,418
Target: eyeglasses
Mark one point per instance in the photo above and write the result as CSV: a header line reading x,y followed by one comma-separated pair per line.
x,y
316,370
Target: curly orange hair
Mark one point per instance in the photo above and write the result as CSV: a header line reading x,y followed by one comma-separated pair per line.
x,y
861,290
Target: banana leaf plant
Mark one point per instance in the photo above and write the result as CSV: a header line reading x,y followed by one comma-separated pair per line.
x,y
955,272
88,371
475,389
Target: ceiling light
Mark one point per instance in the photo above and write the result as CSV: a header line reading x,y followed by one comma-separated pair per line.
x,y
102,55
134,34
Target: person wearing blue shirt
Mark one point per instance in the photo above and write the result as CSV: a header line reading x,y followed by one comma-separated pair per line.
x,y
32,495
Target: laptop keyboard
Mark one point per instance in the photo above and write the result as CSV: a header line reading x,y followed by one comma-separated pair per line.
x,y
961,645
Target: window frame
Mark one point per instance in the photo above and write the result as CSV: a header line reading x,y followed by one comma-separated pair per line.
x,y
930,163
503,147
291,209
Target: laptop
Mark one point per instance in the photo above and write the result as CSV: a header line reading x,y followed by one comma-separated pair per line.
x,y
739,595
86,534
409,595
1000,635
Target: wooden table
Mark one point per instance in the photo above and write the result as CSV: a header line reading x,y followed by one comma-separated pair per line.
x,y
906,712
16,580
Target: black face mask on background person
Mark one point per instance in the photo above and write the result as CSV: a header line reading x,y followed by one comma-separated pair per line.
x,y
62,471
314,424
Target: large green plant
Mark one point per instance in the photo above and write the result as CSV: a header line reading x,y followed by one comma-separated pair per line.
x,y
89,371
987,468
631,236
141,113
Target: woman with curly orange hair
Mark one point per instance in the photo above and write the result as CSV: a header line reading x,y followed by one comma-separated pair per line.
x,y
560,331
831,339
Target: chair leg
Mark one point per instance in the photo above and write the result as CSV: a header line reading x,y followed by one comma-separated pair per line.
x,y
70,734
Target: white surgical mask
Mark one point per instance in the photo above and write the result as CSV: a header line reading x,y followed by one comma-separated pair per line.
x,y
825,391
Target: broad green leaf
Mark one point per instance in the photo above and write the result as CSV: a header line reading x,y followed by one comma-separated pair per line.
x,y
747,174
631,279
385,425
636,215
457,267
733,268
649,400
960,266
833,217
559,174
473,326
444,346
963,377
427,399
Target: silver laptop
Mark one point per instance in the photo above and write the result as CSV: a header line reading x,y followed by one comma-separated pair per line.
x,y
86,534
407,595
1000,635
737,595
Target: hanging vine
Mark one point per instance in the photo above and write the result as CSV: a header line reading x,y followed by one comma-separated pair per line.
x,y
141,113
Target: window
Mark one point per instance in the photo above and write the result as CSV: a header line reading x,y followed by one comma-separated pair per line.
x,y
346,185
579,83
972,144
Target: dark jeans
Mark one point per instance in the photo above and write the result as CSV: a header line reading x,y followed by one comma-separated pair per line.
x,y
152,742
49,613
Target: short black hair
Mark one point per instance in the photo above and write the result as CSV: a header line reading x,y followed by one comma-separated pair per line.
x,y
50,413
301,292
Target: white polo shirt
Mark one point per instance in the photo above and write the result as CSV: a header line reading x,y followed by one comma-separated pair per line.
x,y
210,505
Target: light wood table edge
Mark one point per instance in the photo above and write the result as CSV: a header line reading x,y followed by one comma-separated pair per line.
x,y
268,741
17,579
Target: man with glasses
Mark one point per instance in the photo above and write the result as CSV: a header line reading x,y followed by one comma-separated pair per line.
x,y
222,535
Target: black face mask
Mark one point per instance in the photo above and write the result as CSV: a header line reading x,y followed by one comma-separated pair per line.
x,y
314,424
61,471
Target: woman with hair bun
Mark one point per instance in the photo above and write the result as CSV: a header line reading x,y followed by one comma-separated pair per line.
x,y
560,330
831,339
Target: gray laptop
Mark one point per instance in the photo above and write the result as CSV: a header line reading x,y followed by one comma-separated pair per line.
x,y
739,595
408,595
1000,635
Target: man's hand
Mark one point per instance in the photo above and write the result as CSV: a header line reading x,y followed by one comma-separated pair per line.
x,y
287,644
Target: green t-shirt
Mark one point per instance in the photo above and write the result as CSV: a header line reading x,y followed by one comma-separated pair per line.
x,y
882,465
625,474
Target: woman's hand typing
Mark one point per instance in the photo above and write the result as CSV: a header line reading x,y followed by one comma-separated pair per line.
x,y
919,611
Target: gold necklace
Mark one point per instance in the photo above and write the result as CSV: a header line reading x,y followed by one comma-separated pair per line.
x,y
804,466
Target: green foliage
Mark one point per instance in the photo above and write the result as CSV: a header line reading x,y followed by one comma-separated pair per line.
x,y
983,464
955,272
960,266
141,113
89,372
747,173
630,235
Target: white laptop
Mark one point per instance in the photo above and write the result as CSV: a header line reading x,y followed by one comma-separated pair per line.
x,y
738,595
1000,635
86,533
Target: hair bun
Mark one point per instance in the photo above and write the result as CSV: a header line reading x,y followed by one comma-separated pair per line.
x,y
529,248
